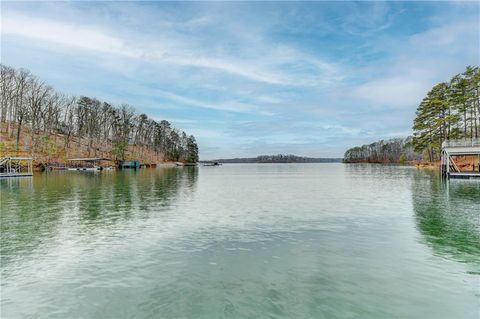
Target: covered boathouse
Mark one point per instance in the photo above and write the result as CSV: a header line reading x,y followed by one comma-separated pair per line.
x,y
453,151
12,166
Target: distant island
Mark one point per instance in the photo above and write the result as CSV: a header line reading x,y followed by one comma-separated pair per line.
x,y
280,158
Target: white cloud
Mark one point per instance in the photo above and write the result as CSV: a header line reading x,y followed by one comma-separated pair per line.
x,y
236,68
448,36
65,34
269,99
175,120
396,91
367,20
202,133
421,61
264,63
231,106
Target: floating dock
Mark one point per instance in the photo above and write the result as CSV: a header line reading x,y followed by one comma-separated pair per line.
x,y
452,149
182,164
87,164
212,163
12,166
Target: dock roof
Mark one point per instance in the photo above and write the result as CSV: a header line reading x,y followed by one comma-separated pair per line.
x,y
90,159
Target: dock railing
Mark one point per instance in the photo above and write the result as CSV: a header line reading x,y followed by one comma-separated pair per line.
x,y
474,142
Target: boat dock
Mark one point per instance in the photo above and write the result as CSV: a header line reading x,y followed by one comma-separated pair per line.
x,y
184,164
211,163
452,150
12,166
87,164
129,164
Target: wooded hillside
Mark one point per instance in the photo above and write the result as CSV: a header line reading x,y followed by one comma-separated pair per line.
x,y
397,150
33,115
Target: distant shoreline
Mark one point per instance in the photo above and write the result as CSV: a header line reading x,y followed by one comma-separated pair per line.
x,y
331,162
279,158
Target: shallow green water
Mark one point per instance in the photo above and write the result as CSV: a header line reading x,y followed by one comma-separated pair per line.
x,y
241,241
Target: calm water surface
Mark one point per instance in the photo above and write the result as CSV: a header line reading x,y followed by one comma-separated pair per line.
x,y
241,241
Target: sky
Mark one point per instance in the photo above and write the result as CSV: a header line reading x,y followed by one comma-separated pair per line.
x,y
250,78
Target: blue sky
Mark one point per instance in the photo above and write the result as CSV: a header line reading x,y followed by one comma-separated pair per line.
x,y
310,78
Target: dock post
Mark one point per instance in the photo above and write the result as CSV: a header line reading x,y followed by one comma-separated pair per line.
x,y
444,165
447,157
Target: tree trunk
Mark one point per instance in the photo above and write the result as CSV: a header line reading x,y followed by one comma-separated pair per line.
x,y
19,128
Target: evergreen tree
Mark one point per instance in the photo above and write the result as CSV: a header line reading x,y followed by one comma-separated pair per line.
x,y
192,149
449,111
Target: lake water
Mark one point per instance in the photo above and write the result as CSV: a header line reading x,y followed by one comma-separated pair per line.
x,y
241,241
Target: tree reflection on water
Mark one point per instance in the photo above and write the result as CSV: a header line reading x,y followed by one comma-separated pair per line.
x,y
34,209
448,215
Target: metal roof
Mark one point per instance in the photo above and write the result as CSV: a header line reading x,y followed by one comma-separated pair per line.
x,y
462,150
467,142
90,159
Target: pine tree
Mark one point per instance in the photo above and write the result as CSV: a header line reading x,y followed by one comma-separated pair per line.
x,y
449,111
